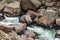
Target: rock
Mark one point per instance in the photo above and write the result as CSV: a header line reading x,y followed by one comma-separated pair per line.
x,y
49,13
12,9
5,29
11,36
9,1
26,5
20,27
49,3
29,39
29,33
57,3
58,33
36,39
58,21
37,3
42,21
26,18
32,13
2,5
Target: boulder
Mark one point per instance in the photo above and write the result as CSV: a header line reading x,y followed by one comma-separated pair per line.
x,y
49,13
20,27
26,5
12,9
42,21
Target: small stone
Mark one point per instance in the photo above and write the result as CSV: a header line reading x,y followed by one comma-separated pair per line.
x,y
29,39
29,33
58,21
26,18
58,33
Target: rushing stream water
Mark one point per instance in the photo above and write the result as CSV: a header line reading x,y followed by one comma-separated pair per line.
x,y
43,34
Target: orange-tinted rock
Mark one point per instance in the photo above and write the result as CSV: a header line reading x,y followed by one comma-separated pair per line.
x,y
42,20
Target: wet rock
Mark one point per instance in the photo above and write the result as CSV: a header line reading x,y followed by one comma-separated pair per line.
x,y
12,9
58,34
17,27
26,5
1,17
29,33
26,18
58,21
20,27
